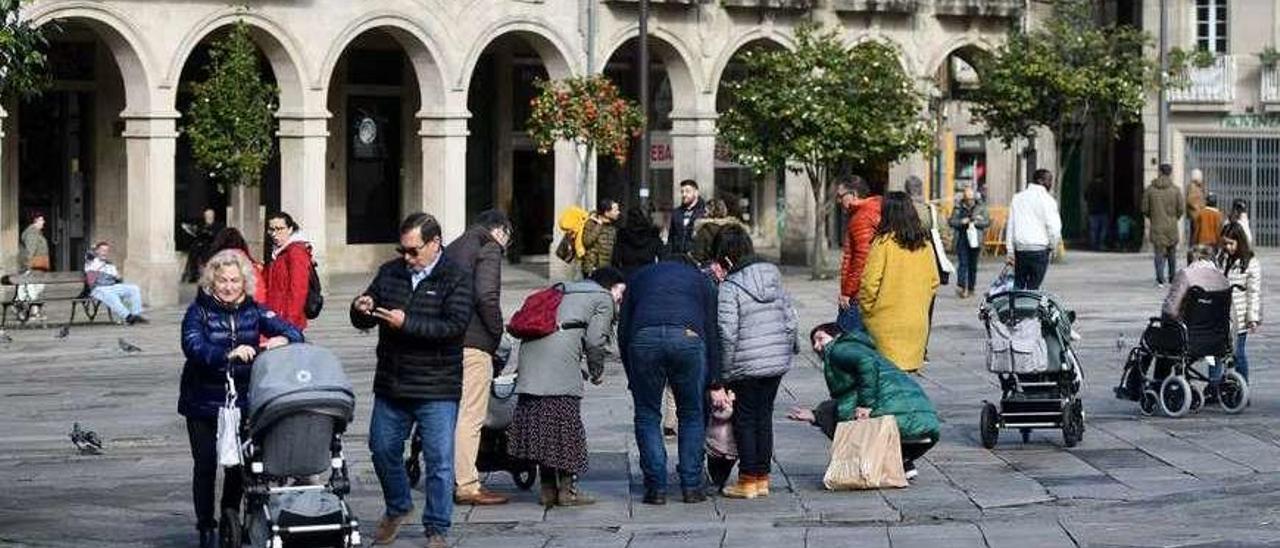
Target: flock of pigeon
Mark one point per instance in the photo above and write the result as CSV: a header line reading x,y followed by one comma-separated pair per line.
x,y
87,441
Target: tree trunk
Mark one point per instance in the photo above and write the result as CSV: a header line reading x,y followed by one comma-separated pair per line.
x,y
817,184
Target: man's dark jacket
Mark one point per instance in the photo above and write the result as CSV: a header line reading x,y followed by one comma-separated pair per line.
x,y
478,253
671,293
423,359
680,234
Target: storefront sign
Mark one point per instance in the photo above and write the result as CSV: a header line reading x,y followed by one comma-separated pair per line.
x,y
661,153
971,143
1251,121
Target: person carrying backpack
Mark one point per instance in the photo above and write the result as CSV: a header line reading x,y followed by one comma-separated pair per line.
x,y
558,327
289,274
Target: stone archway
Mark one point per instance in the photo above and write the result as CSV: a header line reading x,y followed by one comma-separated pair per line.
x,y
505,170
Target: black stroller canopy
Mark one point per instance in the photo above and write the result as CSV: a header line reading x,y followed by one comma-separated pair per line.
x,y
298,377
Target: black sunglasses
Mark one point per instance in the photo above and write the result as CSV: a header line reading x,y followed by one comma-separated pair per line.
x,y
402,250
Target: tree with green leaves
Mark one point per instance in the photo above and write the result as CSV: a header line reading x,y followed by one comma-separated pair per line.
x,y
1067,73
819,107
23,65
231,121
587,111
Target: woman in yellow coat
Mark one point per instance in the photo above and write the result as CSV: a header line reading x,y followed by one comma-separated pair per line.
x,y
898,284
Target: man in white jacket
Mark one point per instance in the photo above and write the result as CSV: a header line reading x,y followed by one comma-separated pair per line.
x,y
1033,231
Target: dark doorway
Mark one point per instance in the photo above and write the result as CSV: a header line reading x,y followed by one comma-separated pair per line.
x,y
55,169
533,201
373,169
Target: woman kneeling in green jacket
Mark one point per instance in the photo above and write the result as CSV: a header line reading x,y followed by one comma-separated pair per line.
x,y
864,384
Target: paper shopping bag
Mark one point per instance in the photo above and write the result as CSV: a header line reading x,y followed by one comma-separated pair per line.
x,y
866,454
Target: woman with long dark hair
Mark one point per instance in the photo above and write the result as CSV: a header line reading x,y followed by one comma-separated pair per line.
x,y
1242,269
898,284
639,243
289,272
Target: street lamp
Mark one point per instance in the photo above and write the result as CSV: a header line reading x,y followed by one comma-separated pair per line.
x,y
643,67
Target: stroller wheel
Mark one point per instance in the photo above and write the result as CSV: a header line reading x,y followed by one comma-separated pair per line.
x,y
1233,393
1149,402
1175,396
524,477
989,427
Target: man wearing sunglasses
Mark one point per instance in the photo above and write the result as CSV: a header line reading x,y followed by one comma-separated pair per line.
x,y
421,304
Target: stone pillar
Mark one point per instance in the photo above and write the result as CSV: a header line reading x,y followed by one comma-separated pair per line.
x,y
148,251
693,150
568,183
303,141
797,231
8,206
444,170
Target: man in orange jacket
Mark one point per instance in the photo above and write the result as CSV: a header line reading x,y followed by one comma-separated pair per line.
x,y
854,195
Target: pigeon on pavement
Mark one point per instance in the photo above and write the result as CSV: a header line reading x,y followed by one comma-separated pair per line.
x,y
127,347
87,441
63,332
5,338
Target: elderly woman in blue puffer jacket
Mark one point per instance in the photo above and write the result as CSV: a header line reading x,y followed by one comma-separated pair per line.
x,y
757,340
220,334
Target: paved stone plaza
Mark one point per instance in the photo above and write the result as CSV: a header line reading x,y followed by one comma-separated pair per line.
x,y
1207,479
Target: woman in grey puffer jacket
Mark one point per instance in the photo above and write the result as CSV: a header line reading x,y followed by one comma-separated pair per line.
x,y
757,339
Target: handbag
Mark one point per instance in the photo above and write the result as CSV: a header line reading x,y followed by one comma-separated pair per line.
x,y
971,234
945,268
866,454
229,428
40,263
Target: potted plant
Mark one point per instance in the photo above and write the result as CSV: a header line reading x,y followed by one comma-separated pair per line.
x,y
1269,57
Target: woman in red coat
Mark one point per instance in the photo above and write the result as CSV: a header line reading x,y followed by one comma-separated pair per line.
x,y
289,272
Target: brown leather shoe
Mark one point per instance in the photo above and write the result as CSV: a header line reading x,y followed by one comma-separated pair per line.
x,y
481,498
389,527
437,541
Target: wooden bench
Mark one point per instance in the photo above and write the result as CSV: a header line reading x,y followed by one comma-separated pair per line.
x,y
59,287
993,238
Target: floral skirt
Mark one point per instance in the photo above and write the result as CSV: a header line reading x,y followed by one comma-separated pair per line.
x,y
548,430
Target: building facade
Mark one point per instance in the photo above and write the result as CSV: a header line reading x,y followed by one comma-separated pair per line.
x,y
1223,117
391,106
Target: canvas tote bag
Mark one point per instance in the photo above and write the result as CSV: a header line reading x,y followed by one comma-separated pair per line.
x,y
229,428
866,454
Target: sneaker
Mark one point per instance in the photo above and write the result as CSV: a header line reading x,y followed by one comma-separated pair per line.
x,y
910,468
437,541
389,528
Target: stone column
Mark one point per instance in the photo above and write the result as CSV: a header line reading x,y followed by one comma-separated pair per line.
x,y
303,141
568,183
444,170
797,232
8,206
148,250
693,149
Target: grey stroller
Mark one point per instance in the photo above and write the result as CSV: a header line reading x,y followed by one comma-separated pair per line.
x,y
300,402
1029,338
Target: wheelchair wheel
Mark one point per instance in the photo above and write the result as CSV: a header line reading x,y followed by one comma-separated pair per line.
x,y
1175,396
1197,399
989,427
1149,402
1233,393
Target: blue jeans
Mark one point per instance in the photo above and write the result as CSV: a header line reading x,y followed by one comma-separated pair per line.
x,y
657,356
850,319
114,296
1241,359
1098,230
967,269
1029,268
388,429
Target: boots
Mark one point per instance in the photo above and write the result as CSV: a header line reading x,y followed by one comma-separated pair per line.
x,y
549,493
745,488
568,492
762,485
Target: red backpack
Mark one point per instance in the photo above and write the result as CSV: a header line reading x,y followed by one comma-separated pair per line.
x,y
537,317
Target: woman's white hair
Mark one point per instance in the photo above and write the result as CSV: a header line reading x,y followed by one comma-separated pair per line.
x,y
228,257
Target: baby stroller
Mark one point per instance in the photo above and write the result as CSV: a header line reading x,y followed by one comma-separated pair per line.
x,y
300,402
1029,348
1161,372
492,455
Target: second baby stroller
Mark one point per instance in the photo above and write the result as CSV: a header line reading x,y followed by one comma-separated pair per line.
x,y
1161,373
492,455
1029,339
300,403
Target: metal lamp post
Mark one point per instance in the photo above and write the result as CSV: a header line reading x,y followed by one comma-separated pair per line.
x,y
643,66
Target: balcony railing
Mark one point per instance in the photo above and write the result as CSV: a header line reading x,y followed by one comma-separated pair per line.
x,y
978,8
882,6
1215,83
1271,84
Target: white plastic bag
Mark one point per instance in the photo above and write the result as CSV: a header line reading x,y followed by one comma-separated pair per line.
x,y
973,236
229,428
